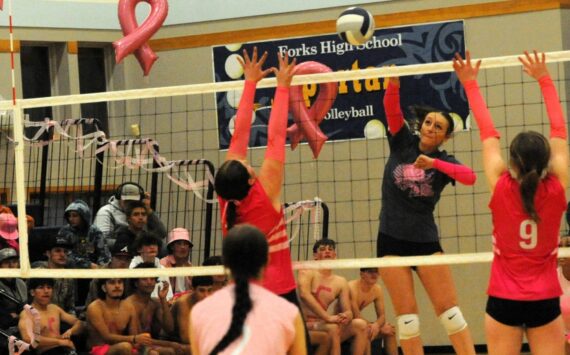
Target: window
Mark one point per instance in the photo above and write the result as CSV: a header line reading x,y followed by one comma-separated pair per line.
x,y
92,79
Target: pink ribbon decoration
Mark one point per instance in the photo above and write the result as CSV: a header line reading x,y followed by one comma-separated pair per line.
x,y
307,120
136,36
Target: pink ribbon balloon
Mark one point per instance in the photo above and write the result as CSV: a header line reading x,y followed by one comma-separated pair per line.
x,y
136,36
307,120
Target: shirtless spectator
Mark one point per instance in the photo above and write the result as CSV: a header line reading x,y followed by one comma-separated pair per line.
x,y
50,341
154,315
364,291
220,281
120,259
202,287
58,248
113,323
318,290
112,215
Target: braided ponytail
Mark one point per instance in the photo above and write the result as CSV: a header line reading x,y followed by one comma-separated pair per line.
x,y
245,253
242,306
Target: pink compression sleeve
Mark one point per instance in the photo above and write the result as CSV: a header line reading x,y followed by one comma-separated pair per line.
x,y
392,108
458,172
277,128
240,138
480,110
557,122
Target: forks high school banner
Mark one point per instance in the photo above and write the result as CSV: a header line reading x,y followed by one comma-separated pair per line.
x,y
357,112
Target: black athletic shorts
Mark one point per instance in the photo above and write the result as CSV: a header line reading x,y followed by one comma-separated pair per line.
x,y
387,245
529,314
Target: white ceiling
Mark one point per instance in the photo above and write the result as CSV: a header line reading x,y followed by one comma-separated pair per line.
x,y
102,14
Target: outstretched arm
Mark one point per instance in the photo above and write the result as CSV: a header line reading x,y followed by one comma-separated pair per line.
x,y
253,72
535,66
392,108
271,173
493,163
457,172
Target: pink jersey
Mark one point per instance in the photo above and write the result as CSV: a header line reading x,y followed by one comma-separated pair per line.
x,y
269,327
524,264
256,209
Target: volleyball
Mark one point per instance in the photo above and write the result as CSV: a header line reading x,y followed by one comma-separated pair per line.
x,y
355,25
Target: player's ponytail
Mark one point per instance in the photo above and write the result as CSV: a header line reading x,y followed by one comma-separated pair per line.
x,y
245,253
529,155
529,184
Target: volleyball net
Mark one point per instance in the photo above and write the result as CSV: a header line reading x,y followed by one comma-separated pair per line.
x,y
168,140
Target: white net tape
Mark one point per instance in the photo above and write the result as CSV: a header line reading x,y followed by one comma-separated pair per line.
x,y
371,73
445,259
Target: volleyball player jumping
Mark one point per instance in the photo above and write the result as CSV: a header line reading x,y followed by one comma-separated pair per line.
x,y
414,177
527,203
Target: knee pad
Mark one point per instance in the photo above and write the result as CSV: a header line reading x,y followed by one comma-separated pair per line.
x,y
408,326
453,320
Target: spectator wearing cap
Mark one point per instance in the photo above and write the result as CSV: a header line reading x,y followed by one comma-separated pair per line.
x,y
120,259
179,254
63,289
113,214
13,292
147,247
9,231
89,247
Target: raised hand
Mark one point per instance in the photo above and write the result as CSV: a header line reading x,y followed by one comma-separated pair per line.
x,y
163,291
534,66
286,70
252,67
464,69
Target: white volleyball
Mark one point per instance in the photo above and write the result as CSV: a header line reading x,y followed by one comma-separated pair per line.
x,y
355,25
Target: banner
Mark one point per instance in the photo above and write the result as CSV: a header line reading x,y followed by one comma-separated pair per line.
x,y
357,111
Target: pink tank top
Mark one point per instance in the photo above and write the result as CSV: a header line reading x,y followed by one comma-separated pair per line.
x,y
256,209
269,327
525,253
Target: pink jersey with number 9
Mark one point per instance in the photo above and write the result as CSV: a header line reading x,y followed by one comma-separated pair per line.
x,y
525,252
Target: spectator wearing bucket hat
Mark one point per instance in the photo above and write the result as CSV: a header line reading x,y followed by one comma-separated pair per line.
x,y
13,292
58,249
113,214
179,255
9,231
